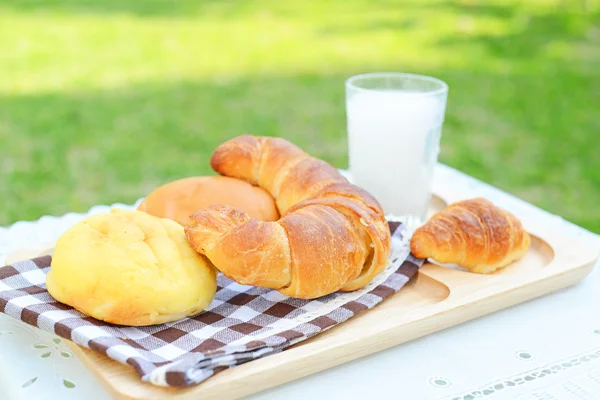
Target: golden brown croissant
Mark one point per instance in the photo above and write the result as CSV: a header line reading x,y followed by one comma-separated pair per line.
x,y
332,235
474,234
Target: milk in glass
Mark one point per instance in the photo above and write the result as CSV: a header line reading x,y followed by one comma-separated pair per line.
x,y
393,139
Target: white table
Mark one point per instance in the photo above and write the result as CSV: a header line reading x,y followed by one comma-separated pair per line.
x,y
500,356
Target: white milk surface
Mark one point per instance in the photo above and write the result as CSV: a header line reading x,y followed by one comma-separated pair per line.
x,y
393,139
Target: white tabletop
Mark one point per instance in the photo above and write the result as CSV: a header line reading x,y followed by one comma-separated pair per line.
x,y
545,349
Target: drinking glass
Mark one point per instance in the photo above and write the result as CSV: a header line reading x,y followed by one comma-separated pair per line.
x,y
394,123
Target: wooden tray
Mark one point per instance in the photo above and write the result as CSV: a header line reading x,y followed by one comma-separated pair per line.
x,y
439,297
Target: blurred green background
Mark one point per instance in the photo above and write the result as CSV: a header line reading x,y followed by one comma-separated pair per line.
x,y
102,101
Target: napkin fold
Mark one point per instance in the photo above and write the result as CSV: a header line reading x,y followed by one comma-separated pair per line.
x,y
243,323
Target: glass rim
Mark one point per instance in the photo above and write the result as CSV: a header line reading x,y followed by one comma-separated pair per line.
x,y
443,86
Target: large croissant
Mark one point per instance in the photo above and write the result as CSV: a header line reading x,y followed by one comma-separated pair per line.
x,y
332,235
474,234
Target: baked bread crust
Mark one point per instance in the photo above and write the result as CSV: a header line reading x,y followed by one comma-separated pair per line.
x,y
332,235
126,267
474,234
177,200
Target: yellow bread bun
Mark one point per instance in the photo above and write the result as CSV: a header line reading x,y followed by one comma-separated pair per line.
x,y
180,199
130,268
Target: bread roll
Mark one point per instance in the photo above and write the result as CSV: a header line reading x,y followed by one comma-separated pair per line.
x,y
180,199
130,268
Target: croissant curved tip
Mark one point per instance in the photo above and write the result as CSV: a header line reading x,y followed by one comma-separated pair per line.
x,y
419,244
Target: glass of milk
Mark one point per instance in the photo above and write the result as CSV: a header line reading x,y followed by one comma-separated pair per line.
x,y
394,129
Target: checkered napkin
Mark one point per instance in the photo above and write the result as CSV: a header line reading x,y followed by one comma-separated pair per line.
x,y
243,323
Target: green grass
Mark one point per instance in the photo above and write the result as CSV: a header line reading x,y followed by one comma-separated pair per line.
x,y
101,101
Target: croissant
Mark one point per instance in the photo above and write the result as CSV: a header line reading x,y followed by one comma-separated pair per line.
x,y
474,234
331,236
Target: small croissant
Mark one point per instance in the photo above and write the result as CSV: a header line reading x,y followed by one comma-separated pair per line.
x,y
474,234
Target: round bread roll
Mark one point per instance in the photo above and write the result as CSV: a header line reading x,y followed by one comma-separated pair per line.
x,y
130,268
180,199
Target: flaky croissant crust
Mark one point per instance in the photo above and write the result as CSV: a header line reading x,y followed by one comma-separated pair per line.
x,y
474,234
332,235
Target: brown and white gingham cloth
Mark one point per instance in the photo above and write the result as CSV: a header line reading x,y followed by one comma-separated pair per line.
x,y
243,323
